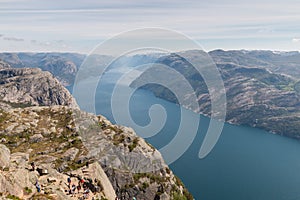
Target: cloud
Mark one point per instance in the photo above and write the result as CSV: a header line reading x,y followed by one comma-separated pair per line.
x,y
296,40
55,23
13,39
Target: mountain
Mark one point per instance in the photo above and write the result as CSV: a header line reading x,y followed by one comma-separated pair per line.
x,y
62,65
262,86
256,96
278,62
33,87
48,129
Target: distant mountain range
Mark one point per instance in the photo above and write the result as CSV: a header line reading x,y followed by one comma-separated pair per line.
x,y
278,62
62,65
262,87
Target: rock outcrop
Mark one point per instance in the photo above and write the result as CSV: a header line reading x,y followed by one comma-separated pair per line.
x,y
4,156
19,180
46,139
4,65
69,142
34,87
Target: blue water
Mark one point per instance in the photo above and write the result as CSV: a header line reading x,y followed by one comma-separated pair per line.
x,y
246,163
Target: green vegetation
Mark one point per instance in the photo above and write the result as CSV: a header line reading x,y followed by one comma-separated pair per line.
x,y
153,177
134,144
151,146
115,129
168,170
6,169
39,196
128,186
61,141
177,194
3,116
145,185
18,105
73,166
118,138
27,190
13,197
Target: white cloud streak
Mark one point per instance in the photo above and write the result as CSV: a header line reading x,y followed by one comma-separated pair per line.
x,y
13,39
296,40
43,20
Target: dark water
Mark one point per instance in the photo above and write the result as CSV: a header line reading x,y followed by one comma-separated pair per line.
x,y
246,163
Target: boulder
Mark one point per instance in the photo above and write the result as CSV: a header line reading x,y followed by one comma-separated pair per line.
x,y
4,156
70,154
36,138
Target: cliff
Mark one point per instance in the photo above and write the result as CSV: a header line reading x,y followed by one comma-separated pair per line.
x,y
256,96
33,87
63,141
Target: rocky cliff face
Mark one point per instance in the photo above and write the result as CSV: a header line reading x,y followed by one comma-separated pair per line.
x,y
33,87
63,142
256,96
4,65
45,136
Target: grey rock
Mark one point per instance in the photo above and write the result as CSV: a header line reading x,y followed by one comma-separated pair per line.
x,y
33,87
70,154
4,156
36,138
4,65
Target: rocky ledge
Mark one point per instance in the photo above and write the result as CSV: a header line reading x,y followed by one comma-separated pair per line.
x,y
48,147
32,87
65,142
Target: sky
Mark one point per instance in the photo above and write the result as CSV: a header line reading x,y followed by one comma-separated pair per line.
x,y
80,25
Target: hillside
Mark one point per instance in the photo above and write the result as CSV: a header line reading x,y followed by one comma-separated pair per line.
x,y
256,96
262,86
278,62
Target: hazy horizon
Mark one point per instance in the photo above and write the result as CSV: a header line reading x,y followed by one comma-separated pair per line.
x,y
82,53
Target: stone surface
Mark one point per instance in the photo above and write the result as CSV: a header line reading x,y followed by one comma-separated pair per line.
x,y
70,154
33,87
4,156
36,138
4,65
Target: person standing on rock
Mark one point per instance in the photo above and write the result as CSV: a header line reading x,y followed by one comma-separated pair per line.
x,y
69,182
32,166
86,193
78,187
81,182
38,187
73,189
